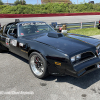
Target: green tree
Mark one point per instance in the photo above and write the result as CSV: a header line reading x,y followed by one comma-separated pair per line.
x,y
22,2
1,3
16,2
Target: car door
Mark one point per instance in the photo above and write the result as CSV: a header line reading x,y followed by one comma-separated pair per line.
x,y
12,41
17,44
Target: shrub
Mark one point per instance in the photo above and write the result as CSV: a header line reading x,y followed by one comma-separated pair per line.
x,y
49,8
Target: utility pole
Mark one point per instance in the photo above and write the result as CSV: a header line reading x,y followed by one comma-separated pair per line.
x,y
7,2
77,1
37,2
22,2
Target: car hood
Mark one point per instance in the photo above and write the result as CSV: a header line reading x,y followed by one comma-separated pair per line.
x,y
70,43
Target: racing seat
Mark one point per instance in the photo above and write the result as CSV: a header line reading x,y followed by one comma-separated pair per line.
x,y
33,29
15,31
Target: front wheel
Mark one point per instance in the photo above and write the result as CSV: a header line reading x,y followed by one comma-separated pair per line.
x,y
38,65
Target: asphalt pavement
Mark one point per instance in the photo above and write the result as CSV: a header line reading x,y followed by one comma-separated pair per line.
x,y
18,83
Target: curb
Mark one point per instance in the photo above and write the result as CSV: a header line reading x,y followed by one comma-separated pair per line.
x,y
45,15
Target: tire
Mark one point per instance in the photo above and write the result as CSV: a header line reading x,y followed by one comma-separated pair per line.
x,y
38,65
1,49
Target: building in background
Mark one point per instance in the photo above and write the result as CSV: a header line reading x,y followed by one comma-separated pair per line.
x,y
11,4
54,1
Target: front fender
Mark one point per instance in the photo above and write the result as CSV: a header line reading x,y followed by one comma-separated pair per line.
x,y
51,55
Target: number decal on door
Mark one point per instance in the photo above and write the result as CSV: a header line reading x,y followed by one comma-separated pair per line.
x,y
7,41
13,42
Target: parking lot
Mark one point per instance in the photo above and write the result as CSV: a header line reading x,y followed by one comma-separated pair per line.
x,y
16,77
18,83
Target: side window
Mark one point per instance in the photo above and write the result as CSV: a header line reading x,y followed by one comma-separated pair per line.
x,y
13,29
6,29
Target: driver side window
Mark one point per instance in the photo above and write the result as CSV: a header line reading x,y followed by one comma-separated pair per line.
x,y
6,29
13,29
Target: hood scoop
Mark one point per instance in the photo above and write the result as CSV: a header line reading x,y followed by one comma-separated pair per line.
x,y
54,35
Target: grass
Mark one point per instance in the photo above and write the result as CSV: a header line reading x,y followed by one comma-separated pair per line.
x,y
86,31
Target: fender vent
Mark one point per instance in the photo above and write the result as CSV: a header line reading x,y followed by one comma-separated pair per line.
x,y
55,35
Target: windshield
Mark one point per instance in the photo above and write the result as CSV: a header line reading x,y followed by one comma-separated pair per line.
x,y
33,28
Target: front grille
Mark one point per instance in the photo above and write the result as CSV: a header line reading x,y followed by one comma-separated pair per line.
x,y
84,57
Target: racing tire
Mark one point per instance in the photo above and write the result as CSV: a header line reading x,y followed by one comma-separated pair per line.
x,y
38,65
1,49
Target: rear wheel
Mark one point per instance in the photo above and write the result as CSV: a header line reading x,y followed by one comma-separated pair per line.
x,y
1,49
38,65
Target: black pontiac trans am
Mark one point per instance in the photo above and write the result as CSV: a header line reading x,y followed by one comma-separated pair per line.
x,y
50,52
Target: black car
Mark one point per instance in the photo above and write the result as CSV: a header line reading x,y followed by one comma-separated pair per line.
x,y
50,52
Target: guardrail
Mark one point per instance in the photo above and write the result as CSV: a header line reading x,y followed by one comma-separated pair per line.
x,y
81,25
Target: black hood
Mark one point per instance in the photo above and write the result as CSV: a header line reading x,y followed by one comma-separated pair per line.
x,y
70,43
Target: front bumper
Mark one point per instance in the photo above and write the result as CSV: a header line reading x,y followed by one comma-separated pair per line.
x,y
85,67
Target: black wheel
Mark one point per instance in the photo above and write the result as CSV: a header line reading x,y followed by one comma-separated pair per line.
x,y
1,49
38,65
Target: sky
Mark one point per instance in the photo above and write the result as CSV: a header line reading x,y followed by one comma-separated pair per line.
x,y
39,1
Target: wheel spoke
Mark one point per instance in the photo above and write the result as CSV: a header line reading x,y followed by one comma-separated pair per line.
x,y
42,69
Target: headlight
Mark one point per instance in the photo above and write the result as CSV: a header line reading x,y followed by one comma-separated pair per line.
x,y
78,56
73,59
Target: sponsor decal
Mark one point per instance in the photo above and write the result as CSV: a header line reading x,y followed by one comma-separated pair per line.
x,y
13,42
38,23
24,51
7,41
21,44
22,33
